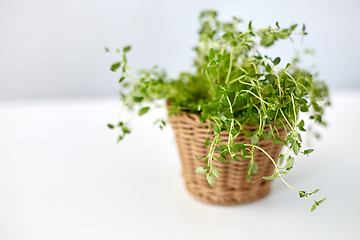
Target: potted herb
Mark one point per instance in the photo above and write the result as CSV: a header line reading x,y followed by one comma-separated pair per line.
x,y
234,113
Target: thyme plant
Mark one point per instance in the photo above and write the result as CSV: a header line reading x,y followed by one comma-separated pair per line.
x,y
234,85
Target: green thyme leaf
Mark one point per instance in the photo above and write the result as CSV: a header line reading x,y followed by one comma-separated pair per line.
x,y
308,151
210,179
127,48
115,66
289,163
211,54
213,104
269,177
215,172
138,99
255,167
315,191
277,61
313,207
200,170
221,159
302,194
239,147
121,79
216,129
254,139
292,27
143,110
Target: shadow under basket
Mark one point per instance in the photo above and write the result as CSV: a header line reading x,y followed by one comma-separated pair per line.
x,y
231,188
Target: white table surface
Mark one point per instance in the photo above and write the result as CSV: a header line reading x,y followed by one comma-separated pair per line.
x,y
62,176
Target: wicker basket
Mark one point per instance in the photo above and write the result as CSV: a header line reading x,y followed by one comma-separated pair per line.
x,y
232,187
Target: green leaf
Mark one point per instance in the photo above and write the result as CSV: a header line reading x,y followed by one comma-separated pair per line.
x,y
249,26
107,49
301,123
277,25
200,170
249,166
255,167
315,191
268,67
296,147
207,142
277,61
278,141
269,177
222,117
213,104
289,163
138,99
292,27
271,78
308,151
211,54
267,135
216,129
228,36
248,177
143,110
121,79
219,93
281,157
215,172
125,130
287,65
213,71
313,207
110,126
228,115
282,35
200,158
115,66
210,179
302,194
235,157
321,201
127,48
221,159
220,148
304,109
212,63
239,147
267,40
248,134
254,139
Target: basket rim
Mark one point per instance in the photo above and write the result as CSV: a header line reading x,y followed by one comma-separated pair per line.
x,y
196,118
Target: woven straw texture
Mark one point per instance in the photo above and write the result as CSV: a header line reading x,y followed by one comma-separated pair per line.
x,y
231,188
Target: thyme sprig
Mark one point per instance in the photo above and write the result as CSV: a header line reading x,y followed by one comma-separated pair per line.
x,y
234,85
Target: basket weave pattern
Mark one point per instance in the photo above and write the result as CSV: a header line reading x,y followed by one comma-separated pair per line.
x,y
232,187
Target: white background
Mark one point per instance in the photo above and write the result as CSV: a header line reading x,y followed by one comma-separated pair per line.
x,y
56,48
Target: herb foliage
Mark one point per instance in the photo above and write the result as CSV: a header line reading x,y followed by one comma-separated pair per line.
x,y
234,85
